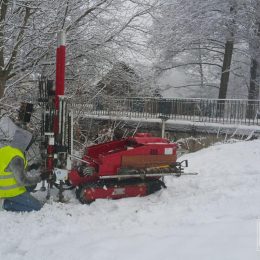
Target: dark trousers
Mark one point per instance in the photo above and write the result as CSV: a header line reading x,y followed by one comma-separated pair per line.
x,y
23,202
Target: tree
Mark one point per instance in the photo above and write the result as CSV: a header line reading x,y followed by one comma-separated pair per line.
x,y
14,20
98,32
229,46
198,37
111,36
120,81
27,32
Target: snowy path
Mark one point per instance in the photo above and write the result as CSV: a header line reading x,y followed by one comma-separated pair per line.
x,y
205,217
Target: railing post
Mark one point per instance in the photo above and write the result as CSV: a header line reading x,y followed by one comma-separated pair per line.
x,y
164,119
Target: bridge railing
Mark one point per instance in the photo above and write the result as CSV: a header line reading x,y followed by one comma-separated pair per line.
x,y
231,111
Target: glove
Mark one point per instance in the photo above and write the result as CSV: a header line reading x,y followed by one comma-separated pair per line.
x,y
31,188
34,166
45,175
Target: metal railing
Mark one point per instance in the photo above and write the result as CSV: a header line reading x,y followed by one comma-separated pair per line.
x,y
225,111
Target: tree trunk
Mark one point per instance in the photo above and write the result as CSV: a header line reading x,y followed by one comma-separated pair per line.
x,y
225,77
202,92
229,46
2,87
253,92
226,69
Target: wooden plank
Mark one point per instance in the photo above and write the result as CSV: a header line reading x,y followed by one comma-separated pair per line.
x,y
146,161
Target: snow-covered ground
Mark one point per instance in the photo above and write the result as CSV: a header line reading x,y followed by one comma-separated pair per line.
x,y
211,216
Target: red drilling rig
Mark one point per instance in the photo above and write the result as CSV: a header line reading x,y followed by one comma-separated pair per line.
x,y
129,167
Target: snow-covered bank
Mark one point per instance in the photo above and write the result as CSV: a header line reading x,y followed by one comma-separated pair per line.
x,y
209,216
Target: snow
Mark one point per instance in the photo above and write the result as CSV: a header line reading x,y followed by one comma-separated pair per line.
x,y
209,216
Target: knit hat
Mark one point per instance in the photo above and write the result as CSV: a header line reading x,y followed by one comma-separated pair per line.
x,y
7,129
21,140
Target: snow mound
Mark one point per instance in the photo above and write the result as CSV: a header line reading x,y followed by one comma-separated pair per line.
x,y
209,216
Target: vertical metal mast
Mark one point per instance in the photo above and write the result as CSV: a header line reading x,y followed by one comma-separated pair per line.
x,y
60,67
60,76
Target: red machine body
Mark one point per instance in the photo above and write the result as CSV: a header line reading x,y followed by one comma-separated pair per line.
x,y
118,169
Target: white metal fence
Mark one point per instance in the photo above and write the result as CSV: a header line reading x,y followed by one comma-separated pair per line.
x,y
226,111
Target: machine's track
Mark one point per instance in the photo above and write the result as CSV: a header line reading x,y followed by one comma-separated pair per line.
x,y
114,189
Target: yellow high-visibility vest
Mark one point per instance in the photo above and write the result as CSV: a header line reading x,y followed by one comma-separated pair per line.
x,y
9,187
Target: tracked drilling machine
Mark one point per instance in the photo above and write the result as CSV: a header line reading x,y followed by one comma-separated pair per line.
x,y
130,167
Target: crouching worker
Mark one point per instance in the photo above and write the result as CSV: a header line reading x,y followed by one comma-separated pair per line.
x,y
13,175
